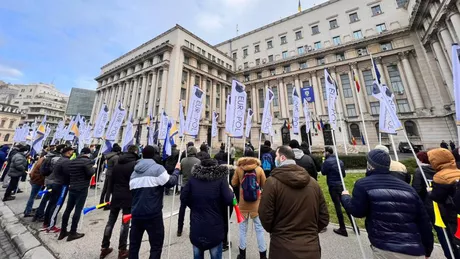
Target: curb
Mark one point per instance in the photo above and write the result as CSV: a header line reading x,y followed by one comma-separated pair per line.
x,y
26,243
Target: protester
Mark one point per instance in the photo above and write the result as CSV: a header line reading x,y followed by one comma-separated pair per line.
x,y
156,155
445,187
452,145
334,183
305,147
397,169
3,154
250,178
204,152
396,220
444,145
206,193
232,154
170,164
186,166
36,182
303,160
17,168
190,144
121,201
147,187
59,185
80,171
456,153
111,160
222,156
249,145
420,187
292,209
8,158
267,158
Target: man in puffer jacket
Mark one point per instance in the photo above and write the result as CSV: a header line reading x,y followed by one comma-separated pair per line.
x,y
396,220
147,185
206,194
112,160
18,168
397,169
303,160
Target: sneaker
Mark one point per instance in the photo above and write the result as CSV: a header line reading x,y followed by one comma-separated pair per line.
x,y
44,228
179,233
9,198
105,252
19,191
63,234
123,254
74,236
342,232
54,229
225,246
29,215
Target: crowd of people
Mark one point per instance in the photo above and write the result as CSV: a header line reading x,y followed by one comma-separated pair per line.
x,y
275,188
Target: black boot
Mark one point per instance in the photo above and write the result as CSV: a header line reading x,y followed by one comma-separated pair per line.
x,y
242,254
74,235
263,255
341,231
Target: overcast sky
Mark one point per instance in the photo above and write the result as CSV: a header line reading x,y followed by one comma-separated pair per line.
x,y
66,42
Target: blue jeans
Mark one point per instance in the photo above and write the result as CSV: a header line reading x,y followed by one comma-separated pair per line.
x,y
259,234
76,200
215,252
40,213
33,193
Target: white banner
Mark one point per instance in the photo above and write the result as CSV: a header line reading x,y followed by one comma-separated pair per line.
x,y
101,122
388,119
68,136
238,107
296,111
192,124
228,114
306,111
249,123
163,130
331,94
128,138
150,129
115,123
181,119
266,116
456,72
214,124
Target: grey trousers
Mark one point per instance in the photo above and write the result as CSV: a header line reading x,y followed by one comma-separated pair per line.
x,y
382,254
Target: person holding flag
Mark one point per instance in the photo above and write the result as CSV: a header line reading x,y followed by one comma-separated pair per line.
x,y
17,169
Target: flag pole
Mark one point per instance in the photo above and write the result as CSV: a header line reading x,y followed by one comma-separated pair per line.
x,y
260,139
355,227
228,208
364,124
98,168
343,135
394,147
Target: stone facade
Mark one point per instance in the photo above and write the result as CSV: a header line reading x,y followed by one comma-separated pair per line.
x,y
409,40
10,116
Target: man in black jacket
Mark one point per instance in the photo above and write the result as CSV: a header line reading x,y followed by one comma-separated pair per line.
x,y
303,160
121,200
203,154
331,170
80,172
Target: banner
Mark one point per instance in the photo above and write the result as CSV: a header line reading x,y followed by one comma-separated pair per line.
x,y
238,109
192,124
249,123
296,112
41,131
306,111
214,131
181,119
456,72
266,116
163,131
388,119
150,129
331,94
101,122
307,93
68,135
228,114
58,132
128,138
116,121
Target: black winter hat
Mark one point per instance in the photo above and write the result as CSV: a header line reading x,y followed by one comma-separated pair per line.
x,y
148,152
294,144
379,159
85,151
209,162
66,149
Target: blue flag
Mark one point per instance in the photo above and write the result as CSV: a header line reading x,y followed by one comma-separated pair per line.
x,y
377,72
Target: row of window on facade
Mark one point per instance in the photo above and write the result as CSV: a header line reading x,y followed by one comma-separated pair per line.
x,y
6,137
210,56
198,65
410,127
3,124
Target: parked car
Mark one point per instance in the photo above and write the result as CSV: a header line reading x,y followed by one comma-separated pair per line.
x,y
405,148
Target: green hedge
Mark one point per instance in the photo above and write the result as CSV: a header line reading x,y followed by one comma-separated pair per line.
x,y
411,165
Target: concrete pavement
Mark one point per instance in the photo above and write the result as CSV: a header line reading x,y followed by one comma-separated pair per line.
x,y
333,246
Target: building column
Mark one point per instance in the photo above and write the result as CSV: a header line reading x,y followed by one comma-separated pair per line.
x,y
132,105
164,81
255,103
444,67
152,102
415,91
297,88
113,102
318,94
362,92
447,40
282,98
143,97
223,97
126,95
191,83
204,88
95,105
455,19
213,97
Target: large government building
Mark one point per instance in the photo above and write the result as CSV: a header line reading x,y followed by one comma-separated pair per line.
x,y
410,41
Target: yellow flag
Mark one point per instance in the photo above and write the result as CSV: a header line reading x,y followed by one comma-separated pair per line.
x,y
437,216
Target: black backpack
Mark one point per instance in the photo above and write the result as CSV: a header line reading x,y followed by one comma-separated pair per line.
x,y
47,166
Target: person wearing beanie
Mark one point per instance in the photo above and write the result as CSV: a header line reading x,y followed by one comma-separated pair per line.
x,y
186,166
222,156
334,183
189,144
17,169
303,160
207,193
147,185
421,188
397,169
445,187
397,223
111,159
80,171
204,152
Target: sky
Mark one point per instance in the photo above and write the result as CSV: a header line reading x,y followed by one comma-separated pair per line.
x,y
67,42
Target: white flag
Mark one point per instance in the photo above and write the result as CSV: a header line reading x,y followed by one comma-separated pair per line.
x,y
150,129
228,113
181,119
296,112
238,109
128,138
101,122
306,111
249,123
266,116
68,136
214,124
331,94
116,121
388,120
456,72
192,124
163,130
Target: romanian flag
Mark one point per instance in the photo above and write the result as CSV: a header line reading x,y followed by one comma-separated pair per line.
x,y
75,130
353,140
300,7
319,126
355,77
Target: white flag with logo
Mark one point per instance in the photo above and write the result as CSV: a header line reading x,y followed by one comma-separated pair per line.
x,y
238,107
181,119
249,123
128,138
192,123
163,130
115,122
456,72
266,116
228,113
101,122
214,124
296,111
388,119
331,94
68,136
306,111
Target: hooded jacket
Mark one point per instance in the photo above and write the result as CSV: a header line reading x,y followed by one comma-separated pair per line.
x,y
147,187
80,172
207,193
293,211
398,170
121,175
3,154
222,157
52,157
202,155
306,162
186,166
396,219
248,164
61,175
18,165
331,170
264,149
13,151
35,176
112,160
